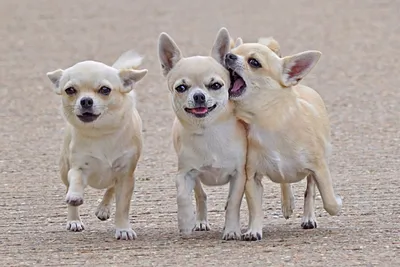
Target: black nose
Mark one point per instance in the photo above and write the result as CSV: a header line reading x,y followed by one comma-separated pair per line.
x,y
230,56
87,102
199,98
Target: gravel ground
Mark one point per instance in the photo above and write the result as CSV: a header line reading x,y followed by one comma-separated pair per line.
x,y
357,77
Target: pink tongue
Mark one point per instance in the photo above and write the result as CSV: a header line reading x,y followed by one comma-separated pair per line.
x,y
236,86
199,110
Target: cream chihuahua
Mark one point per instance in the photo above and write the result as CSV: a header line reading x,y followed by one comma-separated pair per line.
x,y
103,136
288,128
209,141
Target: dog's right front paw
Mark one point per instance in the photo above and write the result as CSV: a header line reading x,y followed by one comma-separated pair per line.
x,y
74,199
252,235
201,226
75,226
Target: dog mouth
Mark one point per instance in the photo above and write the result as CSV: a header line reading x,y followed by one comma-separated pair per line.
x,y
238,85
88,117
200,112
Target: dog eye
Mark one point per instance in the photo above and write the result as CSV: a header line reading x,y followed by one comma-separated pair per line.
x,y
70,91
104,90
254,63
215,86
181,88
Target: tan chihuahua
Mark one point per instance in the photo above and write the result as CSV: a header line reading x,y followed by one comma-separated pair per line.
x,y
103,136
289,131
208,139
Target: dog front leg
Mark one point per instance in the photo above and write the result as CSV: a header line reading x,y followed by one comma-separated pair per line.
x,y
123,195
74,199
287,200
254,192
185,183
103,211
201,207
232,214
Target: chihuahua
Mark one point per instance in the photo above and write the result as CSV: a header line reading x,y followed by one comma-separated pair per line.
x,y
103,136
288,128
209,141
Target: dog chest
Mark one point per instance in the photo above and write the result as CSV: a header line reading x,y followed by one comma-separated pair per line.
x,y
216,154
275,159
102,165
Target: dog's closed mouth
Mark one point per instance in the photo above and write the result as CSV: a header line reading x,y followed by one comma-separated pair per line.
x,y
200,112
238,85
88,117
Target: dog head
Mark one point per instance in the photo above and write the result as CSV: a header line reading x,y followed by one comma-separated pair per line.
x,y
199,84
259,66
95,93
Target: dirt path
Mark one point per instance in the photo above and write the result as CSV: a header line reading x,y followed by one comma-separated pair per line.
x,y
357,76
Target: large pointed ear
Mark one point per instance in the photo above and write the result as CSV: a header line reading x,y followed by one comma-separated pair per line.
x,y
221,45
130,77
54,77
296,67
168,53
271,43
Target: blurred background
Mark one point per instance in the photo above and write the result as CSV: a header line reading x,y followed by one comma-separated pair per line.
x,y
357,76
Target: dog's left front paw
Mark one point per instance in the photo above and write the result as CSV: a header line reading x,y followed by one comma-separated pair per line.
x,y
252,235
232,235
202,226
125,234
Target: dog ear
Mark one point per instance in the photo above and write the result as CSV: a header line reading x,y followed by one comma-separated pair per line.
x,y
130,77
238,42
221,45
271,43
54,77
296,67
168,53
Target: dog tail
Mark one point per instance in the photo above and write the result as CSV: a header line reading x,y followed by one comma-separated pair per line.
x,y
128,60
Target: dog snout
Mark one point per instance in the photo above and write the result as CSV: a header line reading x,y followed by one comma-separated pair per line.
x,y
230,59
231,56
87,102
199,98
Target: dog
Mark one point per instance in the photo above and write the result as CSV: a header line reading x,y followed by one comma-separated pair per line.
x,y
288,128
103,136
209,141
287,196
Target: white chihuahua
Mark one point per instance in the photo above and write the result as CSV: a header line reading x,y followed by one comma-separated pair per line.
x,y
103,137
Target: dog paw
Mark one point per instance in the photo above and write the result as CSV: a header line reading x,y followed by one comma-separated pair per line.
x,y
232,235
74,199
103,212
202,226
287,209
308,223
125,234
252,235
75,226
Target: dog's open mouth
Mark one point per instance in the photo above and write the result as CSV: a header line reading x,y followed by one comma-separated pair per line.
x,y
238,85
200,112
88,117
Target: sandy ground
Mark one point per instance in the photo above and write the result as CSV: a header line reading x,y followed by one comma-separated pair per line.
x,y
357,76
